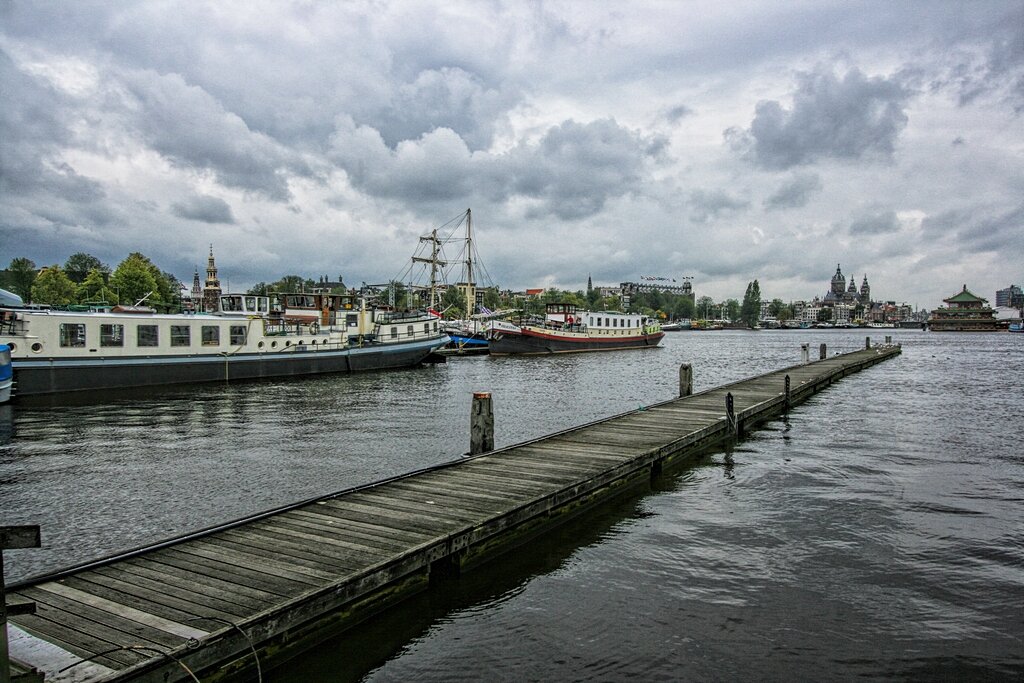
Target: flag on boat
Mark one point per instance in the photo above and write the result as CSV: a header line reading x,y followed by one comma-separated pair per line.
x,y
434,313
485,310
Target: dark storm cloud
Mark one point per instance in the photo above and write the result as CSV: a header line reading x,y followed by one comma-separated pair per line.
x,y
795,192
845,118
706,206
1000,233
33,128
881,223
1000,72
678,113
192,130
571,172
204,208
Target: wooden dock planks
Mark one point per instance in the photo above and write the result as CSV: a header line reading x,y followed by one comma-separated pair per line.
x,y
204,601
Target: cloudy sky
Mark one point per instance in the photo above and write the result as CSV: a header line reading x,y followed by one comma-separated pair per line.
x,y
724,141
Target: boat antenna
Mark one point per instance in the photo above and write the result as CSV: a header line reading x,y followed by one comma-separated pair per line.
x,y
139,302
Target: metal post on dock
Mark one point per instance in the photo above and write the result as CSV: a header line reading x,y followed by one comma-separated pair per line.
x,y
805,353
822,353
867,342
481,423
888,340
12,538
788,402
685,380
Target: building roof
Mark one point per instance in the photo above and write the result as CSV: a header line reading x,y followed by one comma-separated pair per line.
x,y
964,297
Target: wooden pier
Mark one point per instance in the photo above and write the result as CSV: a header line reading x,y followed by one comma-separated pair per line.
x,y
219,604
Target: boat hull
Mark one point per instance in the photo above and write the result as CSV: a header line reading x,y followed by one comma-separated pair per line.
x,y
529,342
48,376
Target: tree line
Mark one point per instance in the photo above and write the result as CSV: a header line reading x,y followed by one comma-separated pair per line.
x,y
84,279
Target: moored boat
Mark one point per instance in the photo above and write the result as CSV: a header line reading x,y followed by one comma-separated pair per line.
x,y
6,373
250,337
564,329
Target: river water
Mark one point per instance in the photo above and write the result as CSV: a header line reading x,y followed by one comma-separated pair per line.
x,y
876,532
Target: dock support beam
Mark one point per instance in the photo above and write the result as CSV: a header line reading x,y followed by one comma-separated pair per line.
x,y
481,423
685,380
822,352
12,538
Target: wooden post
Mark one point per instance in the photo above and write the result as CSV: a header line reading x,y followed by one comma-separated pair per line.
x,y
867,342
805,353
685,380
888,340
730,413
12,538
822,353
788,402
481,423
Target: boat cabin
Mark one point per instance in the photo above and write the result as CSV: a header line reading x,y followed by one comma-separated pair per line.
x,y
244,305
325,309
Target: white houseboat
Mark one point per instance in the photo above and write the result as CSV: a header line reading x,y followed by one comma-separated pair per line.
x,y
251,337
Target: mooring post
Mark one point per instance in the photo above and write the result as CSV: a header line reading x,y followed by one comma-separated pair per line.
x,y
805,353
822,353
685,380
867,342
730,413
888,340
788,395
481,423
12,538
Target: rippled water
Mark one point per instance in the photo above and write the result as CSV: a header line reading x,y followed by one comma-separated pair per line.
x,y
876,532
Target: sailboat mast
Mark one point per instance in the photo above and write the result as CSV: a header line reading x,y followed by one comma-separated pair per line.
x,y
470,285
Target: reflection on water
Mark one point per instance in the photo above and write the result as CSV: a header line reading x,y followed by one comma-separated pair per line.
x,y
875,532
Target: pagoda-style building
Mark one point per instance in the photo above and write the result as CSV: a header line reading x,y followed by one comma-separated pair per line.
x,y
963,312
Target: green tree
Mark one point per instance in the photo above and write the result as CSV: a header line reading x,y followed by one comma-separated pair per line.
x,y
453,303
732,310
491,298
705,306
133,279
93,287
750,310
289,284
79,265
20,275
53,287
259,289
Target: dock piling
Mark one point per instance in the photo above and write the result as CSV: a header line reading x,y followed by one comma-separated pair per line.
x,y
685,380
481,423
867,342
822,352
12,538
789,396
805,353
730,414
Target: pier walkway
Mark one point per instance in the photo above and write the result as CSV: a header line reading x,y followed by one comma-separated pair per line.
x,y
216,604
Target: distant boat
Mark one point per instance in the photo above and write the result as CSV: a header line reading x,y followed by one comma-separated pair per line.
x,y
1017,326
677,325
564,329
6,374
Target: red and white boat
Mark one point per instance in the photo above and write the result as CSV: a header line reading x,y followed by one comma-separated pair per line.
x,y
565,329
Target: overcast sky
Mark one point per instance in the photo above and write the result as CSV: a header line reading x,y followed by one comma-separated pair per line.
x,y
724,141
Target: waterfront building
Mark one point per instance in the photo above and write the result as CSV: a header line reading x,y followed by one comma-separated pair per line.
x,y
963,312
1011,297
840,293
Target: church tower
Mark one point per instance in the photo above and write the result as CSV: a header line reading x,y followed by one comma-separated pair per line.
x,y
865,291
211,291
838,283
197,290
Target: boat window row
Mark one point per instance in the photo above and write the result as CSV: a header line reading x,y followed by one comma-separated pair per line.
x,y
112,335
410,330
612,322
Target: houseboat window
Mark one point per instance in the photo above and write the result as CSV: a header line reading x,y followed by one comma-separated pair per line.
x,y
111,335
146,335
230,303
263,304
72,334
250,303
181,335
237,335
411,332
352,320
394,332
211,335
426,328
